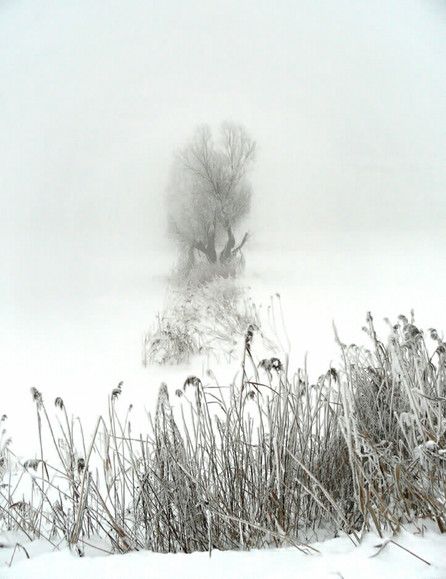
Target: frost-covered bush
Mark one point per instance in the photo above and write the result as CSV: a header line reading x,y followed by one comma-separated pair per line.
x,y
205,318
393,423
201,271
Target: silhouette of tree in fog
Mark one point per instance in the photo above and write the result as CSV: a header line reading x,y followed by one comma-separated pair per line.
x,y
209,195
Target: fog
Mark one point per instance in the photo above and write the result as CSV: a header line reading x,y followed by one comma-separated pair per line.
x,y
346,101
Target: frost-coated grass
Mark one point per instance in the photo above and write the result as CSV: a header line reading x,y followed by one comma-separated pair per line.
x,y
200,319
270,459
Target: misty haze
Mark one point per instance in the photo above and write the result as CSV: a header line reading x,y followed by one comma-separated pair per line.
x,y
207,186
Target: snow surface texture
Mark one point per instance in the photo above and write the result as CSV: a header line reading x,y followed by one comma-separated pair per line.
x,y
339,558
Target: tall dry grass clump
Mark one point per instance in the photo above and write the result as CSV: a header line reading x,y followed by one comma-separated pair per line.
x,y
270,459
206,312
200,319
394,425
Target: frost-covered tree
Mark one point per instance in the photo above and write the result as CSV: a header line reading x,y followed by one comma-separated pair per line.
x,y
209,194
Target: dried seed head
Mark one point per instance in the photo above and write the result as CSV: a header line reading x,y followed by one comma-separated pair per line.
x,y
276,364
178,393
117,391
264,364
32,463
192,381
411,332
403,320
37,397
433,334
249,336
59,403
269,364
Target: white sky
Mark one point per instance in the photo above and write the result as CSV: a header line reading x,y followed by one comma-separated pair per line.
x,y
345,98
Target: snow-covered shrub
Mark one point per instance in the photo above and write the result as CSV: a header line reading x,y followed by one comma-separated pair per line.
x,y
203,272
394,427
206,318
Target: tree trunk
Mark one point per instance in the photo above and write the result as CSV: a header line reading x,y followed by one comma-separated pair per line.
x,y
209,249
241,244
211,252
230,250
226,254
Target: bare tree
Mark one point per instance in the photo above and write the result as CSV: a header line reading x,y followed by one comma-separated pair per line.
x,y
208,193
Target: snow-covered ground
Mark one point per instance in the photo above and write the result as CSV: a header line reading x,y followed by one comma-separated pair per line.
x,y
411,556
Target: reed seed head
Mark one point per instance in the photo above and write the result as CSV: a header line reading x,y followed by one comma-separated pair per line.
x,y
37,397
249,336
117,391
32,463
59,403
192,381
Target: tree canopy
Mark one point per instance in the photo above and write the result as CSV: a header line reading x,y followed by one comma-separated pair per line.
x,y
209,194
